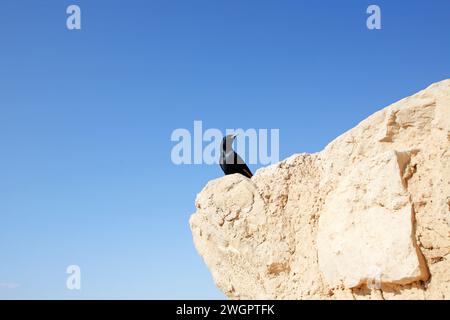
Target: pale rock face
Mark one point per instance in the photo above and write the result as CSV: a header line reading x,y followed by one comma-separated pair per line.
x,y
366,218
352,242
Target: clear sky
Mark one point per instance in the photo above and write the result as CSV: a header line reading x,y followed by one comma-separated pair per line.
x,y
86,118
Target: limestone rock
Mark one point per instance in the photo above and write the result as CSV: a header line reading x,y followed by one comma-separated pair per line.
x,y
366,218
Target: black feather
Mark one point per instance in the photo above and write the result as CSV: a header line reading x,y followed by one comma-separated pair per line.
x,y
230,161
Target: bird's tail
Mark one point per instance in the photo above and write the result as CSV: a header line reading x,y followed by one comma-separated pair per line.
x,y
248,173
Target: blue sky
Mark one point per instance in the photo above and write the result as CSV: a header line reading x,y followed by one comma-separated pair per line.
x,y
86,117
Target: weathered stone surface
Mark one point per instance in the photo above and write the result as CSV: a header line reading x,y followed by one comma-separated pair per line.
x,y
366,218
353,243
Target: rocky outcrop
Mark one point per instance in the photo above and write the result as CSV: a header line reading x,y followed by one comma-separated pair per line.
x,y
366,218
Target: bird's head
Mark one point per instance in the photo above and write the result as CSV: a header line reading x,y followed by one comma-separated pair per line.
x,y
227,142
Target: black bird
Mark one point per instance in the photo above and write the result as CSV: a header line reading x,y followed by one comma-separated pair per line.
x,y
230,161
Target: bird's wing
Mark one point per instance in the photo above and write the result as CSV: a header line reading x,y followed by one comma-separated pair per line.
x,y
238,159
243,166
